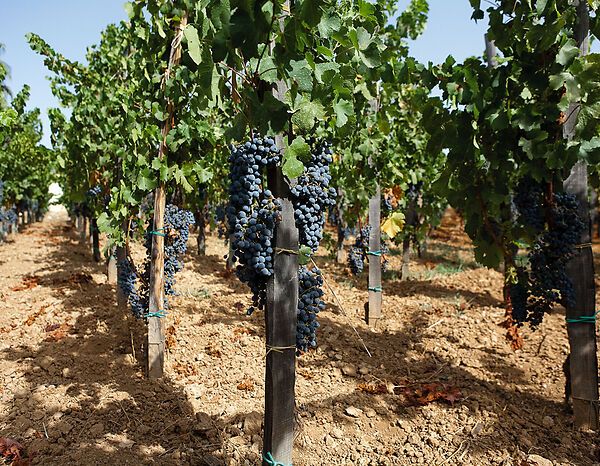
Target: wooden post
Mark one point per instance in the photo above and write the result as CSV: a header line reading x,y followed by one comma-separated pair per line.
x,y
340,254
83,233
201,238
280,322
410,220
156,336
95,239
373,313
280,319
111,267
582,336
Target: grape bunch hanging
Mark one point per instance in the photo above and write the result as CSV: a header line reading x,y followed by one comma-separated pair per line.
x,y
545,282
312,197
135,285
359,252
252,215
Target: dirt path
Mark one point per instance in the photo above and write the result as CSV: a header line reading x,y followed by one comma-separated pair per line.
x,y
73,393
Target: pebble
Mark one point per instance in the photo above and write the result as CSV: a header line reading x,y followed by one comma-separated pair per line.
x,y
97,429
477,428
548,421
538,460
349,371
353,412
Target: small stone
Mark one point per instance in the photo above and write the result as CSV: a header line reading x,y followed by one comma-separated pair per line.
x,y
46,363
548,421
538,460
370,412
143,429
97,429
353,412
336,372
66,373
363,370
477,428
349,371
337,433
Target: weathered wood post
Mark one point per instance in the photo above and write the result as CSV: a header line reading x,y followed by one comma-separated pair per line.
x,y
156,334
373,313
95,239
581,320
280,320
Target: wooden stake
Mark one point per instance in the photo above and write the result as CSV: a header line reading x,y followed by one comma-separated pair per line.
x,y
95,239
280,319
83,232
111,267
156,336
201,238
582,336
280,322
373,313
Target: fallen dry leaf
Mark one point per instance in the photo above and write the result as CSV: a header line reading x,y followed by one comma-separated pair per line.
x,y
246,384
372,389
27,282
13,451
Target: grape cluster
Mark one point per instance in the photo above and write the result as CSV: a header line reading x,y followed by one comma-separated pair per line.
x,y
312,196
528,200
386,204
359,252
91,197
252,214
176,231
11,216
127,280
414,190
547,283
310,302
220,216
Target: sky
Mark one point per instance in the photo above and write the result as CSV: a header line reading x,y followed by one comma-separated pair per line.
x,y
70,26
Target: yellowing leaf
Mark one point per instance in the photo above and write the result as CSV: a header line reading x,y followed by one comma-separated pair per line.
x,y
393,225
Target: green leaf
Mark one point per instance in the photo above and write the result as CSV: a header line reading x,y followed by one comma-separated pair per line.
x,y
343,109
193,41
306,115
292,167
304,253
567,53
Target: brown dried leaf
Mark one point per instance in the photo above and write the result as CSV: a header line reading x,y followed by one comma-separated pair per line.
x,y
246,384
12,450
27,282
31,319
372,389
212,351
187,370
306,374
57,333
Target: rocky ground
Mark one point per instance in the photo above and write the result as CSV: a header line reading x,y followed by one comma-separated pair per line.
x,y
442,386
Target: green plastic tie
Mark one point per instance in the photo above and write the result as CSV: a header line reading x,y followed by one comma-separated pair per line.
x,y
157,232
374,253
268,457
583,319
377,289
160,314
